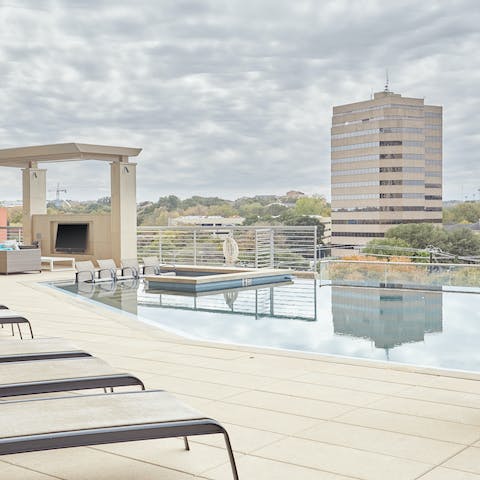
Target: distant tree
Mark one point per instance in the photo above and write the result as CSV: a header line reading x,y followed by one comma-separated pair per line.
x,y
275,209
224,210
419,235
251,209
15,216
172,202
311,206
205,201
305,220
388,246
196,210
462,241
463,212
291,219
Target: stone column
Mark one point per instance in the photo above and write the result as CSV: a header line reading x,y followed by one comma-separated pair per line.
x,y
124,209
34,199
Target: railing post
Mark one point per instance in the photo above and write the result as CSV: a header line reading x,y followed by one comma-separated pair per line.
x,y
256,248
160,246
194,247
272,249
315,239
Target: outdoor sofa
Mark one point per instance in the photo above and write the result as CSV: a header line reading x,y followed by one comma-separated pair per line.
x,y
18,261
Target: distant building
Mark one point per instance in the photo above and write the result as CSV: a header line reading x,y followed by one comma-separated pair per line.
x,y
294,194
11,203
386,167
206,221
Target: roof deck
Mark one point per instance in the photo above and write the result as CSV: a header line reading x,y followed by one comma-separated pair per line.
x,y
290,415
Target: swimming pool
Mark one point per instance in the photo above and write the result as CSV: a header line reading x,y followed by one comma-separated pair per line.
x,y
428,328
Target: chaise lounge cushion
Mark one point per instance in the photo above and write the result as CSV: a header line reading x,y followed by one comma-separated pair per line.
x,y
91,411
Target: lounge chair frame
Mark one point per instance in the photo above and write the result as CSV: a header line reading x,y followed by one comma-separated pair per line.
x,y
26,357
130,265
117,434
16,320
67,384
94,273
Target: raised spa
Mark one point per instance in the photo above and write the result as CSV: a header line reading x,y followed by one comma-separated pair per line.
x,y
191,278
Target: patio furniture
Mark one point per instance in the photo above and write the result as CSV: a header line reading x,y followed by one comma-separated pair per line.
x,y
12,350
151,266
9,317
61,375
19,261
131,266
84,420
52,260
109,264
87,271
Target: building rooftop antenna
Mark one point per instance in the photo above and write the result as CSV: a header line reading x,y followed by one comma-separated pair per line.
x,y
386,82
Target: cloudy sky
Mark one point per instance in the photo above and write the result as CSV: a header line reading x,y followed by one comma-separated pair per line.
x,y
228,98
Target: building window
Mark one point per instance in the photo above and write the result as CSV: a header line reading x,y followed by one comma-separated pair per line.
x,y
390,143
357,234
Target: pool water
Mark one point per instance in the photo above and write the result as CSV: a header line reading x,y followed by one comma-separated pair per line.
x,y
428,328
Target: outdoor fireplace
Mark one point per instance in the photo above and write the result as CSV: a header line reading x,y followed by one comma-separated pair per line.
x,y
71,238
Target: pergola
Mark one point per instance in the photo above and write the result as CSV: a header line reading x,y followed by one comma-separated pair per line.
x,y
123,186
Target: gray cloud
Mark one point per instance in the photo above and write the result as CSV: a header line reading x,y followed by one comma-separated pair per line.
x,y
227,98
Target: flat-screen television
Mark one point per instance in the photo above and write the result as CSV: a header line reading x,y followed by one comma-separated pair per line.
x,y
71,237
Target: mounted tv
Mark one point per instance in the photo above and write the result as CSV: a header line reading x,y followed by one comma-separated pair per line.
x,y
71,237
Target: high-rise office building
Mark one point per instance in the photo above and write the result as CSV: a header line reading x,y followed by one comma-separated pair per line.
x,y
386,166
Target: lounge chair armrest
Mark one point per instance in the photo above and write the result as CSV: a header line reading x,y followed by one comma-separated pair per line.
x,y
89,272
112,271
132,269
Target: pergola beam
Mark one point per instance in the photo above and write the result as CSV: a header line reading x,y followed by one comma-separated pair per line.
x,y
64,152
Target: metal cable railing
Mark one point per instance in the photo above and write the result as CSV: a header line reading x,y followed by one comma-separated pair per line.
x,y
259,247
404,274
11,233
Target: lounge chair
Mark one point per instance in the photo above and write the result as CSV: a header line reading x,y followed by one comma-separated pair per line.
x,y
85,420
61,375
110,265
37,349
3,307
107,265
130,267
87,271
9,317
151,266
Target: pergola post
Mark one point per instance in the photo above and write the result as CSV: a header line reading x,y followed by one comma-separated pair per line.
x,y
124,209
34,198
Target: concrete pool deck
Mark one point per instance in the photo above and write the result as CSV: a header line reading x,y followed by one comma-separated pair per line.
x,y
290,416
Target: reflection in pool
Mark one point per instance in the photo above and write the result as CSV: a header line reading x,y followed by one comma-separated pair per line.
x,y
439,329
